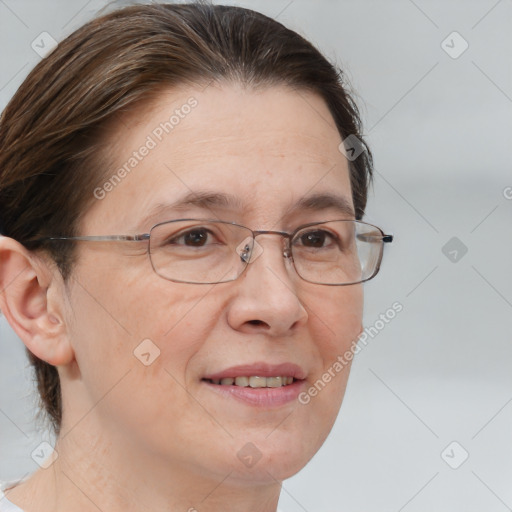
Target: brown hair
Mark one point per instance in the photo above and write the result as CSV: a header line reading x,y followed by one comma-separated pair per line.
x,y
50,132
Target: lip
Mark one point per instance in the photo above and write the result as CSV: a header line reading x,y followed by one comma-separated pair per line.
x,y
259,397
260,370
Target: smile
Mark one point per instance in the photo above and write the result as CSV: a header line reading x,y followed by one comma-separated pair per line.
x,y
258,384
254,381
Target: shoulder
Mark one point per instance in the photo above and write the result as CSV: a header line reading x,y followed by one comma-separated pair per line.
x,y
5,504
5,485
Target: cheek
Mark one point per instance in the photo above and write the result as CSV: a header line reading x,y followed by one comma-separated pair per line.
x,y
116,332
120,316
336,324
336,315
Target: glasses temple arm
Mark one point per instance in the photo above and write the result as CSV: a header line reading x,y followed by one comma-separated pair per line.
x,y
372,238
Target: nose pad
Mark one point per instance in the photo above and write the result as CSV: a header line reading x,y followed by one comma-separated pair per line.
x,y
287,253
244,251
249,250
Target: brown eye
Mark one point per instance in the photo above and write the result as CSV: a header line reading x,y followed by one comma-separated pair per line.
x,y
316,238
192,238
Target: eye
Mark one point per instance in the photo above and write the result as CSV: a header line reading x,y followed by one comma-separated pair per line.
x,y
316,238
196,237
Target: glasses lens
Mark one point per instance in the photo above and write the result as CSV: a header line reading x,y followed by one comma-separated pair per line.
x,y
199,251
337,252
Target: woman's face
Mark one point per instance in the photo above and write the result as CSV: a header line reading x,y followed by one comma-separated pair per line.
x,y
268,149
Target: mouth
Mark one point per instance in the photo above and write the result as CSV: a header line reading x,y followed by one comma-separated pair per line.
x,y
254,381
259,384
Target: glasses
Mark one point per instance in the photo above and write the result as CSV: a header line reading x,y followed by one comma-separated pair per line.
x,y
203,251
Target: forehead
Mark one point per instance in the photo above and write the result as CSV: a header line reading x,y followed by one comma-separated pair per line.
x,y
268,147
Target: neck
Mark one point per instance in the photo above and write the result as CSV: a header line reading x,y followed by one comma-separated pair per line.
x,y
107,473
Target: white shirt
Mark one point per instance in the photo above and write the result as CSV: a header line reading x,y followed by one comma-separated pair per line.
x,y
5,504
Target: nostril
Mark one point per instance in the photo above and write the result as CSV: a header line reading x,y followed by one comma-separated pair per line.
x,y
256,322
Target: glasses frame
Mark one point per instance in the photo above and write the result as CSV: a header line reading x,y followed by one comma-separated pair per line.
x,y
287,253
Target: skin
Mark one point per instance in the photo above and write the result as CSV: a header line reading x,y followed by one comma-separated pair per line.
x,y
154,437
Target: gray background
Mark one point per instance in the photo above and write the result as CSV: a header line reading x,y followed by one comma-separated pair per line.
x,y
440,128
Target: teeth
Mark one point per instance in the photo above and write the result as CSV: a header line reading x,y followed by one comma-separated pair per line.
x,y
258,382
242,381
255,381
275,382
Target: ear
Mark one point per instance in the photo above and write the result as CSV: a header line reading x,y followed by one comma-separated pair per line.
x,y
32,304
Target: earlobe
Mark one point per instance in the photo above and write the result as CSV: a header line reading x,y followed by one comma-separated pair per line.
x,y
33,312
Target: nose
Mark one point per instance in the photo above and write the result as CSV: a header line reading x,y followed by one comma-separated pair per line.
x,y
266,297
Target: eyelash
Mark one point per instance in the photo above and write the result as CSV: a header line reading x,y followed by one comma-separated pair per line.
x,y
199,229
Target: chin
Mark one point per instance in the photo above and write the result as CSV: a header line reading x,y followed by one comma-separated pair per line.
x,y
275,457
268,471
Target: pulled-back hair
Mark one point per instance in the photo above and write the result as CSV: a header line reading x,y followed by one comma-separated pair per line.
x,y
52,152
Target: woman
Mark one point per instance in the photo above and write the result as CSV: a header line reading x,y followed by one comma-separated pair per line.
x,y
183,257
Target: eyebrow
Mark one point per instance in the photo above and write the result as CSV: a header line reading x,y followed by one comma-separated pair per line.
x,y
220,200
